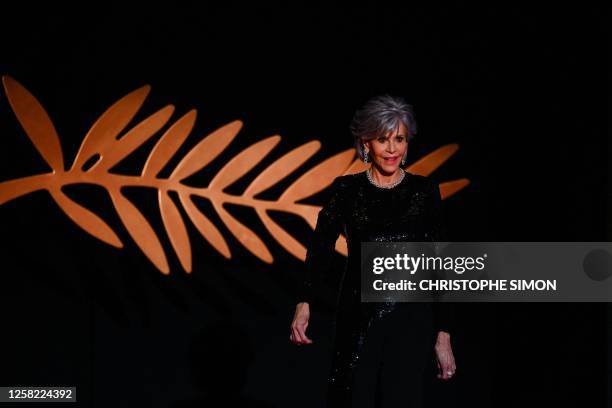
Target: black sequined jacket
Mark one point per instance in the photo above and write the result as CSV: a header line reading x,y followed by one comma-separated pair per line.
x,y
363,212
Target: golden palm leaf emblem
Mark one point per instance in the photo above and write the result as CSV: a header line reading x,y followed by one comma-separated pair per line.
x,y
108,142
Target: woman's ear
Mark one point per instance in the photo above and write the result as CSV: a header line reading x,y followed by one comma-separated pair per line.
x,y
404,157
366,151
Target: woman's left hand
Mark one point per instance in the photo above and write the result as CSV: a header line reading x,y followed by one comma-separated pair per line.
x,y
444,355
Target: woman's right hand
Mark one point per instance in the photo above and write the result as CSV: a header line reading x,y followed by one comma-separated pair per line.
x,y
300,323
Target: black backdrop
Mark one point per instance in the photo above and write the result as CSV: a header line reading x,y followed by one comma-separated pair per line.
x,y
521,89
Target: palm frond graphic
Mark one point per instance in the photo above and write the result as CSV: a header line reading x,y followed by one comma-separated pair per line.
x,y
102,141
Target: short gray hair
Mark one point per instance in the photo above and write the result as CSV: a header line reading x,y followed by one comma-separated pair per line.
x,y
379,116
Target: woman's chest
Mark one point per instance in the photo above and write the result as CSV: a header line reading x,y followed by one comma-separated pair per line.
x,y
387,210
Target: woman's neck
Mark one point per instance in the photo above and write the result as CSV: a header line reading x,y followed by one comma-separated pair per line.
x,y
385,179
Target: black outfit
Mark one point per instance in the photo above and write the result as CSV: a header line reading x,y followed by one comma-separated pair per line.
x,y
380,348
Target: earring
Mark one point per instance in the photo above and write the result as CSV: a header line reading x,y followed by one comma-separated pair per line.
x,y
365,155
403,160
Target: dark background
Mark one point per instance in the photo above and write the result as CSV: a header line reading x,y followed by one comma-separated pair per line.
x,y
520,88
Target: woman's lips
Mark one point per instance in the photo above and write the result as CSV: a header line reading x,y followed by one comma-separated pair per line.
x,y
391,159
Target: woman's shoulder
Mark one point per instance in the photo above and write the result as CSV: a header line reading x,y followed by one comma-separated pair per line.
x,y
348,180
420,180
343,186
424,183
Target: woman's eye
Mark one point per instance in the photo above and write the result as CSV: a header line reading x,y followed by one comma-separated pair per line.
x,y
400,139
381,140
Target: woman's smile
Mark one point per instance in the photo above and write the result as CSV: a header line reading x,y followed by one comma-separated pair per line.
x,y
391,160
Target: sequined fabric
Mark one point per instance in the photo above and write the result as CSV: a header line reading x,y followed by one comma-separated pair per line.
x,y
410,211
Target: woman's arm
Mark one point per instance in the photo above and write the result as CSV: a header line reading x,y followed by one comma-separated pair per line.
x,y
318,258
443,311
321,249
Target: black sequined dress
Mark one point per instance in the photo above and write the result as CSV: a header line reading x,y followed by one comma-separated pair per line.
x,y
363,212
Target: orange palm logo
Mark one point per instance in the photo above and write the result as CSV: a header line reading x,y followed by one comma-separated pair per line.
x,y
108,142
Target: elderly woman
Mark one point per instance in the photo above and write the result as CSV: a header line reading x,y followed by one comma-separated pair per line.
x,y
380,349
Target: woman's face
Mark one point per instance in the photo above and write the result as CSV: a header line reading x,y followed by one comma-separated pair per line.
x,y
387,151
